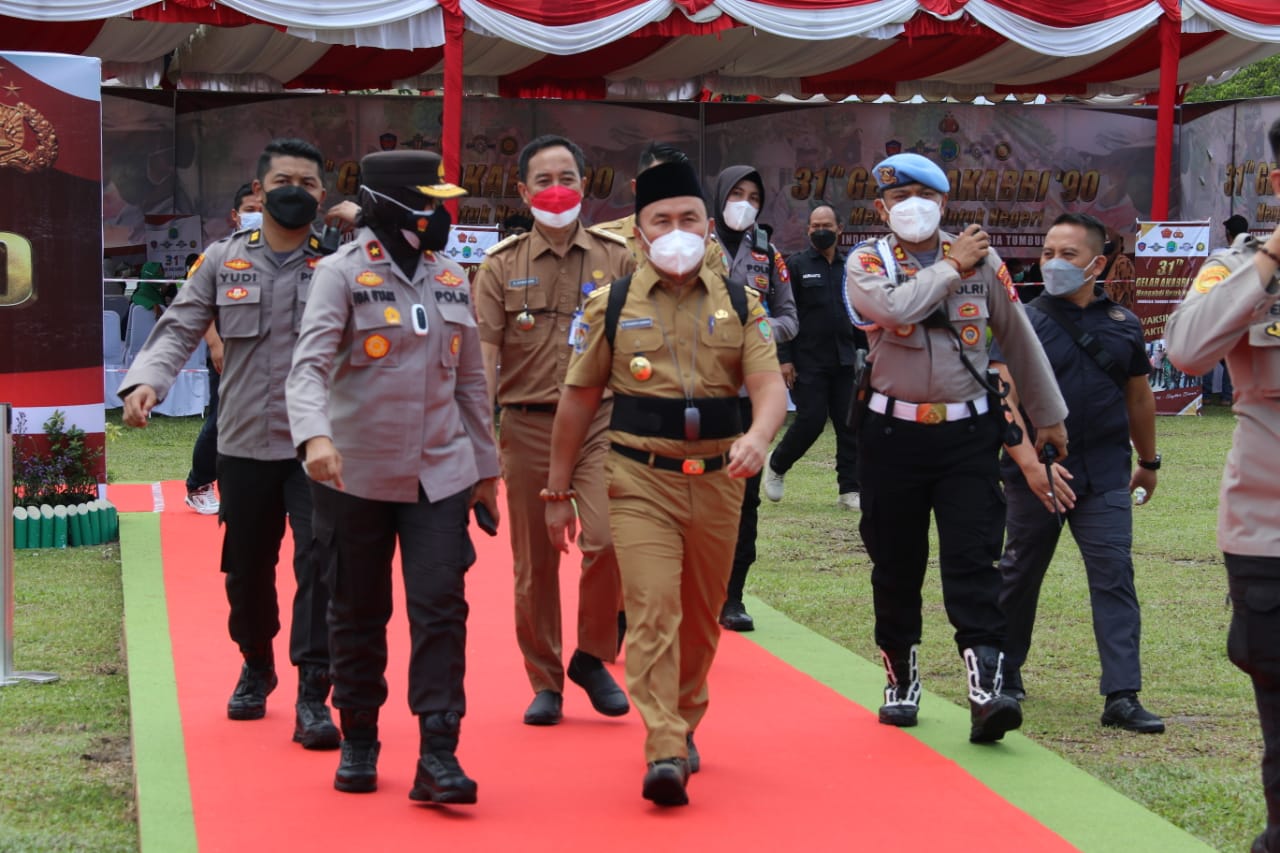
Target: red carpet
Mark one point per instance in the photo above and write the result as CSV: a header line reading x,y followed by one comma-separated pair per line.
x,y
788,764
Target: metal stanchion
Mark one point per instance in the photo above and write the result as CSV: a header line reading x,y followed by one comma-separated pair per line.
x,y
7,674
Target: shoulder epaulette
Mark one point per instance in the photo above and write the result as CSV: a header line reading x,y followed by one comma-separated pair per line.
x,y
602,231
506,243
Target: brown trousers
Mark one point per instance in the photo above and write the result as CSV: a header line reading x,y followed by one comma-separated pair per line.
x,y
675,536
525,442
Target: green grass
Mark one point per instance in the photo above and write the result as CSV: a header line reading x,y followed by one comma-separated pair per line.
x,y
1202,774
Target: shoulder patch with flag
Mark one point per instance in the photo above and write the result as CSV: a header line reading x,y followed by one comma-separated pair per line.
x,y
781,267
871,263
1007,281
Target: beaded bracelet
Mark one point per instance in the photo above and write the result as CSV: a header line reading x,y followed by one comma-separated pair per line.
x,y
1270,254
557,497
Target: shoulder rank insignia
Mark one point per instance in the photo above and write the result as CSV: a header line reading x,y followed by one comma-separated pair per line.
x,y
313,243
255,237
506,243
429,256
374,250
611,236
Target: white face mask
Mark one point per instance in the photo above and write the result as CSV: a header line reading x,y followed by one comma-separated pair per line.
x,y
915,219
1061,277
677,252
250,220
739,215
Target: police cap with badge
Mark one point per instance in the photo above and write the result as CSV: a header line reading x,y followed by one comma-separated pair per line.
x,y
419,171
903,169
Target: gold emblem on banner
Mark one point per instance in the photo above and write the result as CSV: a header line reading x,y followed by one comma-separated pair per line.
x,y
16,152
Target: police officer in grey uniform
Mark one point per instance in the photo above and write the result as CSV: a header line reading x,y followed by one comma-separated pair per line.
x,y
255,283
387,400
751,259
1232,311
930,432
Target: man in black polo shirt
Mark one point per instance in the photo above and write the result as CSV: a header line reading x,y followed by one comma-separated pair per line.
x,y
823,354
1099,359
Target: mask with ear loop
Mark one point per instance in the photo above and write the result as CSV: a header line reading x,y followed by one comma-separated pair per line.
x,y
421,229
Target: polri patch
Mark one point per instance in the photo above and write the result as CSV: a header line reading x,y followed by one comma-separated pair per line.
x,y
1007,281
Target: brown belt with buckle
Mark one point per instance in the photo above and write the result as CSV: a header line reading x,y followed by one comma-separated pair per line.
x,y
692,467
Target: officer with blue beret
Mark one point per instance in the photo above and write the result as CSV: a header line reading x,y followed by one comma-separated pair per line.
x,y
931,425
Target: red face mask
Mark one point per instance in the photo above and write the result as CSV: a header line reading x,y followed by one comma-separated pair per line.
x,y
557,206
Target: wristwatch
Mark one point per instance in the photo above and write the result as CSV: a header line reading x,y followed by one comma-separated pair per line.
x,y
1153,465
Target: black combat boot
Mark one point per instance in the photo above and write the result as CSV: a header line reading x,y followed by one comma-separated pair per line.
x,y
313,726
440,779
992,713
257,679
358,769
902,694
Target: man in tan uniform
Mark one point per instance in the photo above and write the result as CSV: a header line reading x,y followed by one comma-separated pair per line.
x,y
255,283
529,294
931,429
679,345
1232,311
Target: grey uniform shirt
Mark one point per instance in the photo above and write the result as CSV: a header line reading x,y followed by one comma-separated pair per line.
x,y
758,270
403,409
922,365
258,301
1229,312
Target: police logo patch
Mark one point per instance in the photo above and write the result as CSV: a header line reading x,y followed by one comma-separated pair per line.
x,y
762,282
871,264
448,279
1116,314
886,175
195,266
759,256
237,293
455,343
765,330
392,316
970,335
369,279
237,264
374,250
1208,277
968,309
905,331
376,346
1007,281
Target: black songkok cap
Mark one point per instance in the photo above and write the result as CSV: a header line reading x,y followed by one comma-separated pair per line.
x,y
666,180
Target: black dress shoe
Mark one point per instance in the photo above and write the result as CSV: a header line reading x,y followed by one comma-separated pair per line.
x,y
695,758
358,769
1126,712
545,709
665,780
249,700
606,696
734,617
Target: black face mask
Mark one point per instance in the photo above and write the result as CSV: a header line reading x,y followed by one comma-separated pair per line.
x,y
291,207
422,229
436,234
822,239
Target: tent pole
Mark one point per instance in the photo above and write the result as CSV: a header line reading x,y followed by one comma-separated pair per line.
x,y
1170,48
451,140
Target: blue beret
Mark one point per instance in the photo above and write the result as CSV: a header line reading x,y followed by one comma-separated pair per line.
x,y
902,169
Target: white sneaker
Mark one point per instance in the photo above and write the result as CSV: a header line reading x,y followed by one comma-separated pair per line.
x,y
849,500
772,480
203,500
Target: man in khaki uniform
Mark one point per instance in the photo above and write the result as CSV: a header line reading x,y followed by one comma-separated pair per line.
x,y
396,460
683,344
255,283
931,430
1232,311
529,294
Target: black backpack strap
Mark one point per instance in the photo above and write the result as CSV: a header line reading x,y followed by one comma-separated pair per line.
x,y
737,298
1083,339
617,298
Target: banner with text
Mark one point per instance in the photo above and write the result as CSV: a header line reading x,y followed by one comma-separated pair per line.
x,y
1168,256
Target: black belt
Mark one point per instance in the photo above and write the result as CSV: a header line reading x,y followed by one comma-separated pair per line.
x,y
663,417
692,467
538,408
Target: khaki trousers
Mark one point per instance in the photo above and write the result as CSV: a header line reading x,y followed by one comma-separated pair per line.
x,y
674,536
525,443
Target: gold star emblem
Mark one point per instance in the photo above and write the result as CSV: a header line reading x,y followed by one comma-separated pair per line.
x,y
13,90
